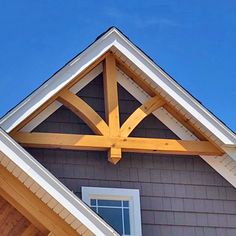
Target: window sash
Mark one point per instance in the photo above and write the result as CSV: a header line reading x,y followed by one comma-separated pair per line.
x,y
130,195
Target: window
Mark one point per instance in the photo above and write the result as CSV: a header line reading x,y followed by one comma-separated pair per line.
x,y
120,208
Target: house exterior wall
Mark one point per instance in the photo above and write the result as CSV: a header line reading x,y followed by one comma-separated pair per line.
x,y
180,195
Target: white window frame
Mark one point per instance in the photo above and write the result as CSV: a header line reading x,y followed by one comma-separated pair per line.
x,y
132,195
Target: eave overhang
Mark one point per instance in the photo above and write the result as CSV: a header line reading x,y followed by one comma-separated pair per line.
x,y
49,189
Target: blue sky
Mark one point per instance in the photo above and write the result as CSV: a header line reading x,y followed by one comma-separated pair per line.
x,y
194,41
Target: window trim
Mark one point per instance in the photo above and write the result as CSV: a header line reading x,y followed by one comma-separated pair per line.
x,y
132,195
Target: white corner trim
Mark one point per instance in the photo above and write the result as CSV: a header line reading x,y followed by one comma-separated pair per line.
x,y
52,186
132,195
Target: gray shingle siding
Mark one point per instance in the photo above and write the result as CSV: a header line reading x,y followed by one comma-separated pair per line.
x,y
179,195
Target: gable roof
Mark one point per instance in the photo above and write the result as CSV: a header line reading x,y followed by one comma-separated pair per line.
x,y
152,74
113,39
71,209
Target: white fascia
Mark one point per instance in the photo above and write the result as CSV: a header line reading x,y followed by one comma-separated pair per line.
x,y
52,186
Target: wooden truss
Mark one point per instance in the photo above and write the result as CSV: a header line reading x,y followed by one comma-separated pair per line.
x,y
109,135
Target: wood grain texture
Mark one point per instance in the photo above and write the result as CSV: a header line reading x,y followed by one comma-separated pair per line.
x,y
111,95
84,111
139,114
29,205
152,92
112,136
30,230
12,222
111,104
126,144
54,97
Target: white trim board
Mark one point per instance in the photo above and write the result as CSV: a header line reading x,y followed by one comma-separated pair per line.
x,y
115,39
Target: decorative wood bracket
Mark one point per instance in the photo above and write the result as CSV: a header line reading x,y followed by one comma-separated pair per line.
x,y
126,144
139,114
84,111
109,135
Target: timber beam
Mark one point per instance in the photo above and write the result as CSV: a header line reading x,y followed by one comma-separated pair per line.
x,y
54,97
30,230
33,208
152,92
126,144
84,111
139,114
111,103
